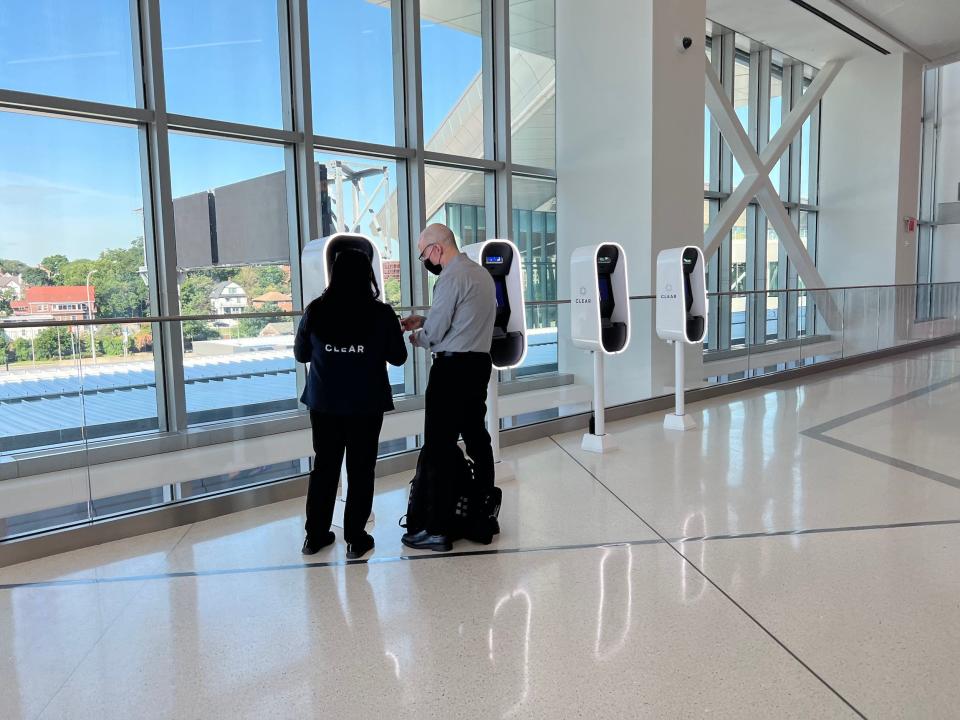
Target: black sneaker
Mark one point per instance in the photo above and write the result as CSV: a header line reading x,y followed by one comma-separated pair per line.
x,y
312,547
425,541
356,550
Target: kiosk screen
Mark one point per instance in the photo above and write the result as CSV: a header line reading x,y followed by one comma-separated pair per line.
x,y
606,291
501,286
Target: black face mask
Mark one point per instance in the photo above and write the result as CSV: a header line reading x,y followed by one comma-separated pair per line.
x,y
431,266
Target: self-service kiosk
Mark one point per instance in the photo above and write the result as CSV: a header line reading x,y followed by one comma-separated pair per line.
x,y
600,321
509,348
681,315
317,263
318,256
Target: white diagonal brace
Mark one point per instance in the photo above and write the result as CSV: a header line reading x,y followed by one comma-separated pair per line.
x,y
756,180
790,237
756,168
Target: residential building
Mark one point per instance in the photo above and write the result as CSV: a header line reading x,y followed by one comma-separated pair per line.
x,y
228,298
61,302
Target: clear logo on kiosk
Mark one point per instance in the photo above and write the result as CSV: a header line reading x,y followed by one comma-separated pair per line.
x,y
356,349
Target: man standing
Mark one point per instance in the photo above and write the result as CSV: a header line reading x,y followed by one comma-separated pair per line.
x,y
458,331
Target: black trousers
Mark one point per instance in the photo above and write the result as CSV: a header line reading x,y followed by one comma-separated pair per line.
x,y
359,437
456,406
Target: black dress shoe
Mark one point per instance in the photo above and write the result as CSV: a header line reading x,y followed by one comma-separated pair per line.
x,y
312,547
360,548
423,540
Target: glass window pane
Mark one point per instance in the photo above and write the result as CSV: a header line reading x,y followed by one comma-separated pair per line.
x,y
805,162
535,201
741,90
707,150
533,75
773,280
738,279
776,117
452,60
462,191
81,50
233,251
359,194
351,70
71,202
221,60
741,104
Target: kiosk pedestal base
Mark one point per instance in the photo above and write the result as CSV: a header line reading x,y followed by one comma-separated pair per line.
x,y
678,419
598,443
672,421
503,470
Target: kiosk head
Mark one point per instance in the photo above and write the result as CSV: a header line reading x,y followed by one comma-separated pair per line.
x,y
319,256
600,313
502,260
681,295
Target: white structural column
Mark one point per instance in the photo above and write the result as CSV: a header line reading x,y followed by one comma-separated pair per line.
x,y
630,162
756,175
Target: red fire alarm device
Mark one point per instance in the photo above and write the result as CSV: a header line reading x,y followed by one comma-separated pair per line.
x,y
910,223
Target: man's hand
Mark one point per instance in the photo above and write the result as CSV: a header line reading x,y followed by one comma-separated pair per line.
x,y
412,322
412,337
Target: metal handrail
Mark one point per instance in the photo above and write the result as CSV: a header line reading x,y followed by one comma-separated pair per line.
x,y
150,319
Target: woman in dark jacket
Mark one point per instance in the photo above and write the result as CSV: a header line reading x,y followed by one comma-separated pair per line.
x,y
348,336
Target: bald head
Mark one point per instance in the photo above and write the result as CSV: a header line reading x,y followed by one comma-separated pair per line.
x,y
441,235
437,246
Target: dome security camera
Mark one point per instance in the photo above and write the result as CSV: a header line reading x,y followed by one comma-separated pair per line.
x,y
686,43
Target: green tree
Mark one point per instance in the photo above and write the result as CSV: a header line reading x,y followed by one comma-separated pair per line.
x,y
52,344
110,340
195,295
120,292
54,265
391,291
36,277
251,327
75,272
195,300
22,350
6,349
13,267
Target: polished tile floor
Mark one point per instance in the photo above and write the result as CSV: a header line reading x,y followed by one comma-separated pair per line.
x,y
796,556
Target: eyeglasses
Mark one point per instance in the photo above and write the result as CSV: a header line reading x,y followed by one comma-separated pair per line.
x,y
426,250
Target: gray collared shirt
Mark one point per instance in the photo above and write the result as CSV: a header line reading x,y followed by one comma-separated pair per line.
x,y
463,311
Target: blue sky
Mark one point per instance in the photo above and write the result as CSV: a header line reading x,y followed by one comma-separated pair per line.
x,y
74,187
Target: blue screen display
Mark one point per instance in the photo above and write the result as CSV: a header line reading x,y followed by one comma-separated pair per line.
x,y
606,291
501,292
494,260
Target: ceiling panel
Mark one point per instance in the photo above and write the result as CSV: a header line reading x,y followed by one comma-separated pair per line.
x,y
932,27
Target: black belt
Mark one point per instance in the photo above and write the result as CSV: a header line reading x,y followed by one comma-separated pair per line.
x,y
447,354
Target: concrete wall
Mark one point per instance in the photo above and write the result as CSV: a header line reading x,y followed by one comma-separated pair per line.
x,y
869,172
629,159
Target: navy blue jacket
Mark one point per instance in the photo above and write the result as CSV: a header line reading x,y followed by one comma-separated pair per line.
x,y
350,377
